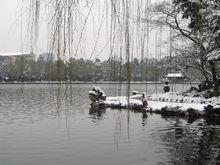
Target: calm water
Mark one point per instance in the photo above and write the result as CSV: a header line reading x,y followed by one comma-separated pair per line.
x,y
52,125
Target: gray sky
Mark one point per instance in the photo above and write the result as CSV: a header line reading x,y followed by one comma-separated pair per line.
x,y
10,28
13,30
14,36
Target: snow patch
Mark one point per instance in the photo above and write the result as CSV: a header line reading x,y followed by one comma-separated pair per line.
x,y
214,55
170,99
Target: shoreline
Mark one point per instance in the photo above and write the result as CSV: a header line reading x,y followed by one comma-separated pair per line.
x,y
86,82
166,104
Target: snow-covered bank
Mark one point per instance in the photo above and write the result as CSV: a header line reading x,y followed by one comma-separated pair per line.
x,y
171,99
168,104
159,101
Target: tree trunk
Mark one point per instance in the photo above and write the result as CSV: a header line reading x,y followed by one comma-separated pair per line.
x,y
214,77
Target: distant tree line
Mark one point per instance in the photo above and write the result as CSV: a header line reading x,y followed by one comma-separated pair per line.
x,y
80,70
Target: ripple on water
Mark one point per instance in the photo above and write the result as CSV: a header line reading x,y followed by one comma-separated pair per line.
x,y
43,125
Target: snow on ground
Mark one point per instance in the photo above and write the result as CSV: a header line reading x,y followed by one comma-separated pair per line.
x,y
214,55
216,12
171,99
122,101
155,105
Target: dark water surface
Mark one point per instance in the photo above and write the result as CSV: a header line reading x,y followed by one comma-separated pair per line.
x,y
49,125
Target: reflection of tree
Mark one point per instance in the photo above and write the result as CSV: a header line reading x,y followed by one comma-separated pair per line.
x,y
192,143
59,102
208,147
144,122
118,129
96,113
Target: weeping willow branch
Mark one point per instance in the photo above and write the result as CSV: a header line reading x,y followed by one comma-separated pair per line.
x,y
70,23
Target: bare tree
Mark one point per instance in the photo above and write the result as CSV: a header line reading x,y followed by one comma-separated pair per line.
x,y
198,23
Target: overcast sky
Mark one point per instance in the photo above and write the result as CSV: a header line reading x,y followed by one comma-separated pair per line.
x,y
14,36
10,27
13,30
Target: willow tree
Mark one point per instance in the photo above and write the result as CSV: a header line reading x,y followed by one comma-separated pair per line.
x,y
72,22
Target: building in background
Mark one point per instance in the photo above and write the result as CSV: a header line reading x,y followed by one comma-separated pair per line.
x,y
47,57
176,75
13,57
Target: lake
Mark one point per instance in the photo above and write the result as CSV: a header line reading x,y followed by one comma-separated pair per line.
x,y
53,125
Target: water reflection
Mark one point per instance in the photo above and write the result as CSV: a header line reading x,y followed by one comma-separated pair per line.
x,y
118,129
44,119
212,121
96,112
190,120
196,143
144,122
